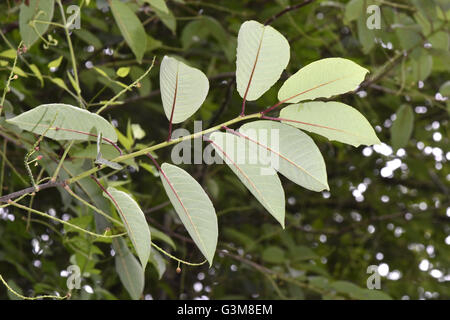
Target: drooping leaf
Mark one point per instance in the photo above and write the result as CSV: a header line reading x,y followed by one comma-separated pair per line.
x,y
10,54
353,10
41,10
60,83
158,4
262,180
20,72
262,55
292,152
88,37
168,19
164,14
55,63
159,235
366,36
134,221
129,270
193,207
183,89
131,28
37,73
322,79
333,120
73,123
402,127
153,44
158,262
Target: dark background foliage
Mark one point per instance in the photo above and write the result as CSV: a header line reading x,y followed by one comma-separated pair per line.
x,y
386,207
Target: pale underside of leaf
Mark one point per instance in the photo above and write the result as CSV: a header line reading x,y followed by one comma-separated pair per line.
x,y
322,79
333,120
193,207
130,271
262,55
298,157
183,89
134,221
66,122
262,181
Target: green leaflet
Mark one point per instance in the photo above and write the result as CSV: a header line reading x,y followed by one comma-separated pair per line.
x,y
183,89
37,73
322,79
159,5
128,268
353,10
444,89
134,221
262,55
333,120
356,292
88,37
262,181
55,63
193,207
274,255
41,10
402,127
421,67
158,262
73,123
131,28
123,71
159,235
292,152
164,14
366,36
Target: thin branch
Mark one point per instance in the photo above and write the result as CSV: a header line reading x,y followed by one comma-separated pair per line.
x,y
31,190
286,10
134,84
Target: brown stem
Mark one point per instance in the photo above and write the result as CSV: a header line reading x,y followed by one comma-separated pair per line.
x,y
286,10
40,187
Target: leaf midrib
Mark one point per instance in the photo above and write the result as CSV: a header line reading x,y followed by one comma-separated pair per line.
x,y
185,209
243,173
283,157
